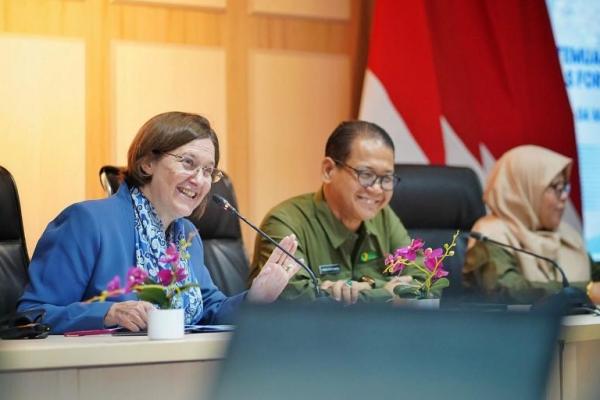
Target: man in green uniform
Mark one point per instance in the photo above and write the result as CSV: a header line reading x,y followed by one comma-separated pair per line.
x,y
346,228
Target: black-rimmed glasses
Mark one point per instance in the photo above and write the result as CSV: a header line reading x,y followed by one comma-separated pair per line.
x,y
190,166
367,178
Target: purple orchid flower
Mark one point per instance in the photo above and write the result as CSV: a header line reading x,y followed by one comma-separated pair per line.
x,y
406,253
410,252
394,262
417,244
431,257
135,276
172,256
389,260
430,260
180,273
440,272
165,276
114,284
398,267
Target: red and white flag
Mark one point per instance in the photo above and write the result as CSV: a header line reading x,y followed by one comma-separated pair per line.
x,y
461,82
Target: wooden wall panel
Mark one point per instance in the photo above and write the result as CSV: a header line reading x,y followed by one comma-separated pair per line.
x,y
42,124
153,78
98,137
218,4
165,24
46,17
251,37
301,34
322,9
296,100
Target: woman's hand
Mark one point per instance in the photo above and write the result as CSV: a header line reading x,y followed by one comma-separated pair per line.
x,y
345,290
593,291
395,281
131,314
275,274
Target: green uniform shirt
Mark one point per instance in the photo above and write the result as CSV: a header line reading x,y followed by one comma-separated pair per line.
x,y
494,273
331,250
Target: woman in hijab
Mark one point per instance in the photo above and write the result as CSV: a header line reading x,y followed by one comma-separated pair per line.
x,y
526,193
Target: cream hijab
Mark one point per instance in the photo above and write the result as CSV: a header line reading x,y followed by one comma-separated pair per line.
x,y
514,194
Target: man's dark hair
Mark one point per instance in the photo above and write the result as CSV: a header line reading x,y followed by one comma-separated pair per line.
x,y
340,141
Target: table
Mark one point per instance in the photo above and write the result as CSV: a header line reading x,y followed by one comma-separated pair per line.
x,y
107,367
576,373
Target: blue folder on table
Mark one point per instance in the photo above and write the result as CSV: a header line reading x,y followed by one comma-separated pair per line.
x,y
208,328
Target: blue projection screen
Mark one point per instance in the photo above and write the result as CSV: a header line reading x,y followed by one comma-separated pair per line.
x,y
576,27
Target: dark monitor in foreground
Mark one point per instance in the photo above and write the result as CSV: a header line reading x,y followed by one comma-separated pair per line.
x,y
283,352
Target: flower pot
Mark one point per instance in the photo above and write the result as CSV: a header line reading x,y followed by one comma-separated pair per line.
x,y
429,304
165,324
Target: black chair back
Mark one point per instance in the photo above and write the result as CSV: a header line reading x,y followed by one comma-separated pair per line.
x,y
433,201
110,179
14,259
224,253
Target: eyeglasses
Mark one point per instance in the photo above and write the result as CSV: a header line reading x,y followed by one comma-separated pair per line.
x,y
560,188
190,166
367,178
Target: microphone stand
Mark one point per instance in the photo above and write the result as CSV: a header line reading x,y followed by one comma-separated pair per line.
x,y
228,207
576,300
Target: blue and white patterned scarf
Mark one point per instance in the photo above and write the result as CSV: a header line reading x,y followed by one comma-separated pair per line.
x,y
151,244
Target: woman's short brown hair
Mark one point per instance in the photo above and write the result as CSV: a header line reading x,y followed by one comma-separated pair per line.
x,y
164,133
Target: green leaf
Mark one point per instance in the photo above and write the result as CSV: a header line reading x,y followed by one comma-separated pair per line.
x,y
155,296
437,287
188,286
414,272
441,283
406,291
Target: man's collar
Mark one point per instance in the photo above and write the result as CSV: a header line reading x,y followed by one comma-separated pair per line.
x,y
335,229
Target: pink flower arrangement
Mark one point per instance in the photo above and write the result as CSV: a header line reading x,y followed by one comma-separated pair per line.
x,y
175,274
425,265
160,293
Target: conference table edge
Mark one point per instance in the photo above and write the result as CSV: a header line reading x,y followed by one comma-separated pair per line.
x,y
580,328
58,352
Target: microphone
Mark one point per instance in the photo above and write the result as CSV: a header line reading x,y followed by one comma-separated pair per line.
x,y
577,300
228,207
482,238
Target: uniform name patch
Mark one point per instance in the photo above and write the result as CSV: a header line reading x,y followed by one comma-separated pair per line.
x,y
329,269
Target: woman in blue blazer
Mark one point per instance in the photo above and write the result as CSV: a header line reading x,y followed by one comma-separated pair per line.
x,y
171,165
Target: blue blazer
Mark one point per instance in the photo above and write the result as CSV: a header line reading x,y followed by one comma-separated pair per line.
x,y
84,248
